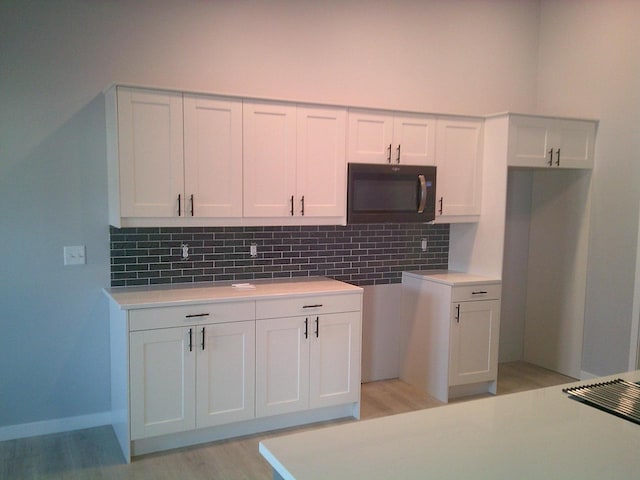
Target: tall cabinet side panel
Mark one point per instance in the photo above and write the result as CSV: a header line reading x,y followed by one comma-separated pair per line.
x,y
120,377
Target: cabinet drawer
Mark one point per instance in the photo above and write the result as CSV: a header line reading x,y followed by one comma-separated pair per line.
x,y
291,307
162,317
490,291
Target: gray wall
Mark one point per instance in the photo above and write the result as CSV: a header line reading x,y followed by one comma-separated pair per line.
x,y
474,56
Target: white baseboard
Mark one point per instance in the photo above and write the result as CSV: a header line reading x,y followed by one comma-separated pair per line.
x,y
57,425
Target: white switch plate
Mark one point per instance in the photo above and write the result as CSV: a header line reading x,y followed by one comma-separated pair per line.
x,y
74,255
253,250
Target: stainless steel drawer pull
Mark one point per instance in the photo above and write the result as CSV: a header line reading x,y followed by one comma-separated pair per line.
x,y
481,292
195,315
317,305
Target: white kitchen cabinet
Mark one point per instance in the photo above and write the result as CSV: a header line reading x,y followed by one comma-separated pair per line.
x,y
149,152
387,137
213,156
193,365
194,376
310,360
171,158
162,382
551,142
294,160
459,175
450,333
473,355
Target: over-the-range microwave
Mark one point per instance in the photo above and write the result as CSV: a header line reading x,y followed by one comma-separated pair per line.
x,y
381,193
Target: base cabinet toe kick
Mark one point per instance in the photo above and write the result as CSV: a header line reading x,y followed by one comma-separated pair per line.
x,y
188,373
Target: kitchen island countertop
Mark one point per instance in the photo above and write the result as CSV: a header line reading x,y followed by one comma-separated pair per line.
x,y
529,435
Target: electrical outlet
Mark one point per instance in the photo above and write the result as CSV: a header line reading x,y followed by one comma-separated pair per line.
x,y
423,244
74,255
253,250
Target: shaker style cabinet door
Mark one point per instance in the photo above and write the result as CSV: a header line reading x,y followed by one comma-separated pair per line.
x,y
414,139
335,359
225,373
473,353
150,149
321,167
213,156
459,163
269,148
282,365
162,378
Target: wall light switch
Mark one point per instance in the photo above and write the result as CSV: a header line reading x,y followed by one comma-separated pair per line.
x,y
74,255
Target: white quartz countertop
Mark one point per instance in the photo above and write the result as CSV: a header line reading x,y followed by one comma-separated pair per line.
x,y
450,277
538,434
162,296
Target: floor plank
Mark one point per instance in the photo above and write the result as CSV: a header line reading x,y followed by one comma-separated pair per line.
x,y
93,454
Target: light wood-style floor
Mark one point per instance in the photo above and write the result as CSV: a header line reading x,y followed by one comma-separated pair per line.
x,y
94,454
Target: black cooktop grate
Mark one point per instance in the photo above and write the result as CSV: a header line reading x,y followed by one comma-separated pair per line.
x,y
618,397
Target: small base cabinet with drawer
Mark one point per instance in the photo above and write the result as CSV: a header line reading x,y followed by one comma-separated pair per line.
x,y
308,353
451,324
198,372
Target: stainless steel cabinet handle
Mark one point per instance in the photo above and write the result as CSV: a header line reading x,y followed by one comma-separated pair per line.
x,y
458,314
398,149
195,315
479,292
179,204
203,335
306,328
423,193
317,327
441,200
302,201
191,339
389,156
291,205
317,305
192,205
558,157
551,157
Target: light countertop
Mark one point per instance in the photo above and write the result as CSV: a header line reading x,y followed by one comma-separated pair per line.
x,y
450,277
162,296
530,435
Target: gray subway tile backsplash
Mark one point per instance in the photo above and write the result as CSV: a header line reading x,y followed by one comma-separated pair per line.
x,y
370,254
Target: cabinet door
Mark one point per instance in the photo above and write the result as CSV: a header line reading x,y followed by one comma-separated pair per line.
x,y
573,143
269,146
162,375
459,163
335,359
150,148
473,355
225,376
414,139
370,137
529,142
213,156
282,365
321,166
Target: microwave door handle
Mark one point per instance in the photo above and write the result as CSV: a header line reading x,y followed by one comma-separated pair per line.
x,y
423,193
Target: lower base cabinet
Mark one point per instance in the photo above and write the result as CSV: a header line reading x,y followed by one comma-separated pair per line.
x,y
193,373
307,362
191,377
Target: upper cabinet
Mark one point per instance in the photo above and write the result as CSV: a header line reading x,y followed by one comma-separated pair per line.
x,y
459,174
551,142
294,160
386,137
172,157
